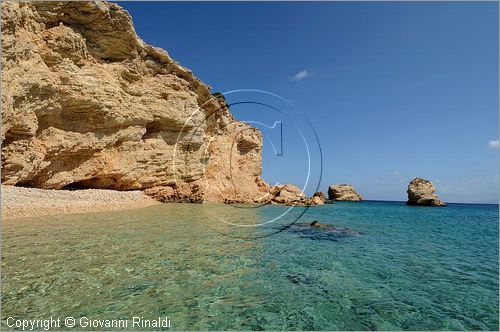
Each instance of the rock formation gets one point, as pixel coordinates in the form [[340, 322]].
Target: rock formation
[[422, 192], [87, 104], [318, 198], [288, 194], [317, 224], [291, 195], [343, 192]]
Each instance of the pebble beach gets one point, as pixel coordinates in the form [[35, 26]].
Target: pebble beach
[[20, 202]]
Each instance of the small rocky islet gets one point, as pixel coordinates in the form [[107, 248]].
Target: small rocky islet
[[343, 193], [423, 192]]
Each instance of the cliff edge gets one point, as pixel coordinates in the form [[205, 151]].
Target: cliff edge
[[87, 104]]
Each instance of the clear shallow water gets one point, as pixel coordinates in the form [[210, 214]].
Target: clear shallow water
[[411, 268]]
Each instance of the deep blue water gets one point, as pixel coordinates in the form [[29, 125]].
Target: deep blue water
[[386, 266]]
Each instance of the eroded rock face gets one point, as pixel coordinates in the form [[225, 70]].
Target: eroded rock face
[[287, 194], [87, 104], [343, 192], [422, 192], [291, 195], [318, 198]]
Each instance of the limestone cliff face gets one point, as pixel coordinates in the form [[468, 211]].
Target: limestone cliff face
[[86, 103]]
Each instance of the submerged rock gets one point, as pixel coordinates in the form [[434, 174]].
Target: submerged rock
[[318, 231], [343, 192], [317, 224], [422, 192], [299, 278]]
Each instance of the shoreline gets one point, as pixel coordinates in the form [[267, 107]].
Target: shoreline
[[21, 202]]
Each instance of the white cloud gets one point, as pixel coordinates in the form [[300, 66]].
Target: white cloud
[[396, 173], [301, 75], [493, 144]]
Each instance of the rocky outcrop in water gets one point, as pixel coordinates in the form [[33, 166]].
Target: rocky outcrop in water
[[318, 198], [422, 192], [87, 104], [291, 195], [343, 192], [288, 194]]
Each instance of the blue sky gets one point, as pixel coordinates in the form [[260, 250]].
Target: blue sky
[[393, 90]]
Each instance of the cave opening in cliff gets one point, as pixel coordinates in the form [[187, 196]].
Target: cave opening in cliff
[[105, 182], [78, 185], [152, 130], [26, 184]]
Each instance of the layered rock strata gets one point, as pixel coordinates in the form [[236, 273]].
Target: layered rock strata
[[87, 104]]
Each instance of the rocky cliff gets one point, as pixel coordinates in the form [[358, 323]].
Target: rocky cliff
[[343, 192], [422, 192], [87, 104]]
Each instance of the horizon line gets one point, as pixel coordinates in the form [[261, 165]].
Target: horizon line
[[394, 201]]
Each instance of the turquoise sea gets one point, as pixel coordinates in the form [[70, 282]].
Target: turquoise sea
[[394, 267]]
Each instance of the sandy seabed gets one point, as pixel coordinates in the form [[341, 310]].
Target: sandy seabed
[[20, 202]]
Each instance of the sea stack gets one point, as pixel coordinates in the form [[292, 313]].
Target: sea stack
[[343, 192], [422, 192]]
